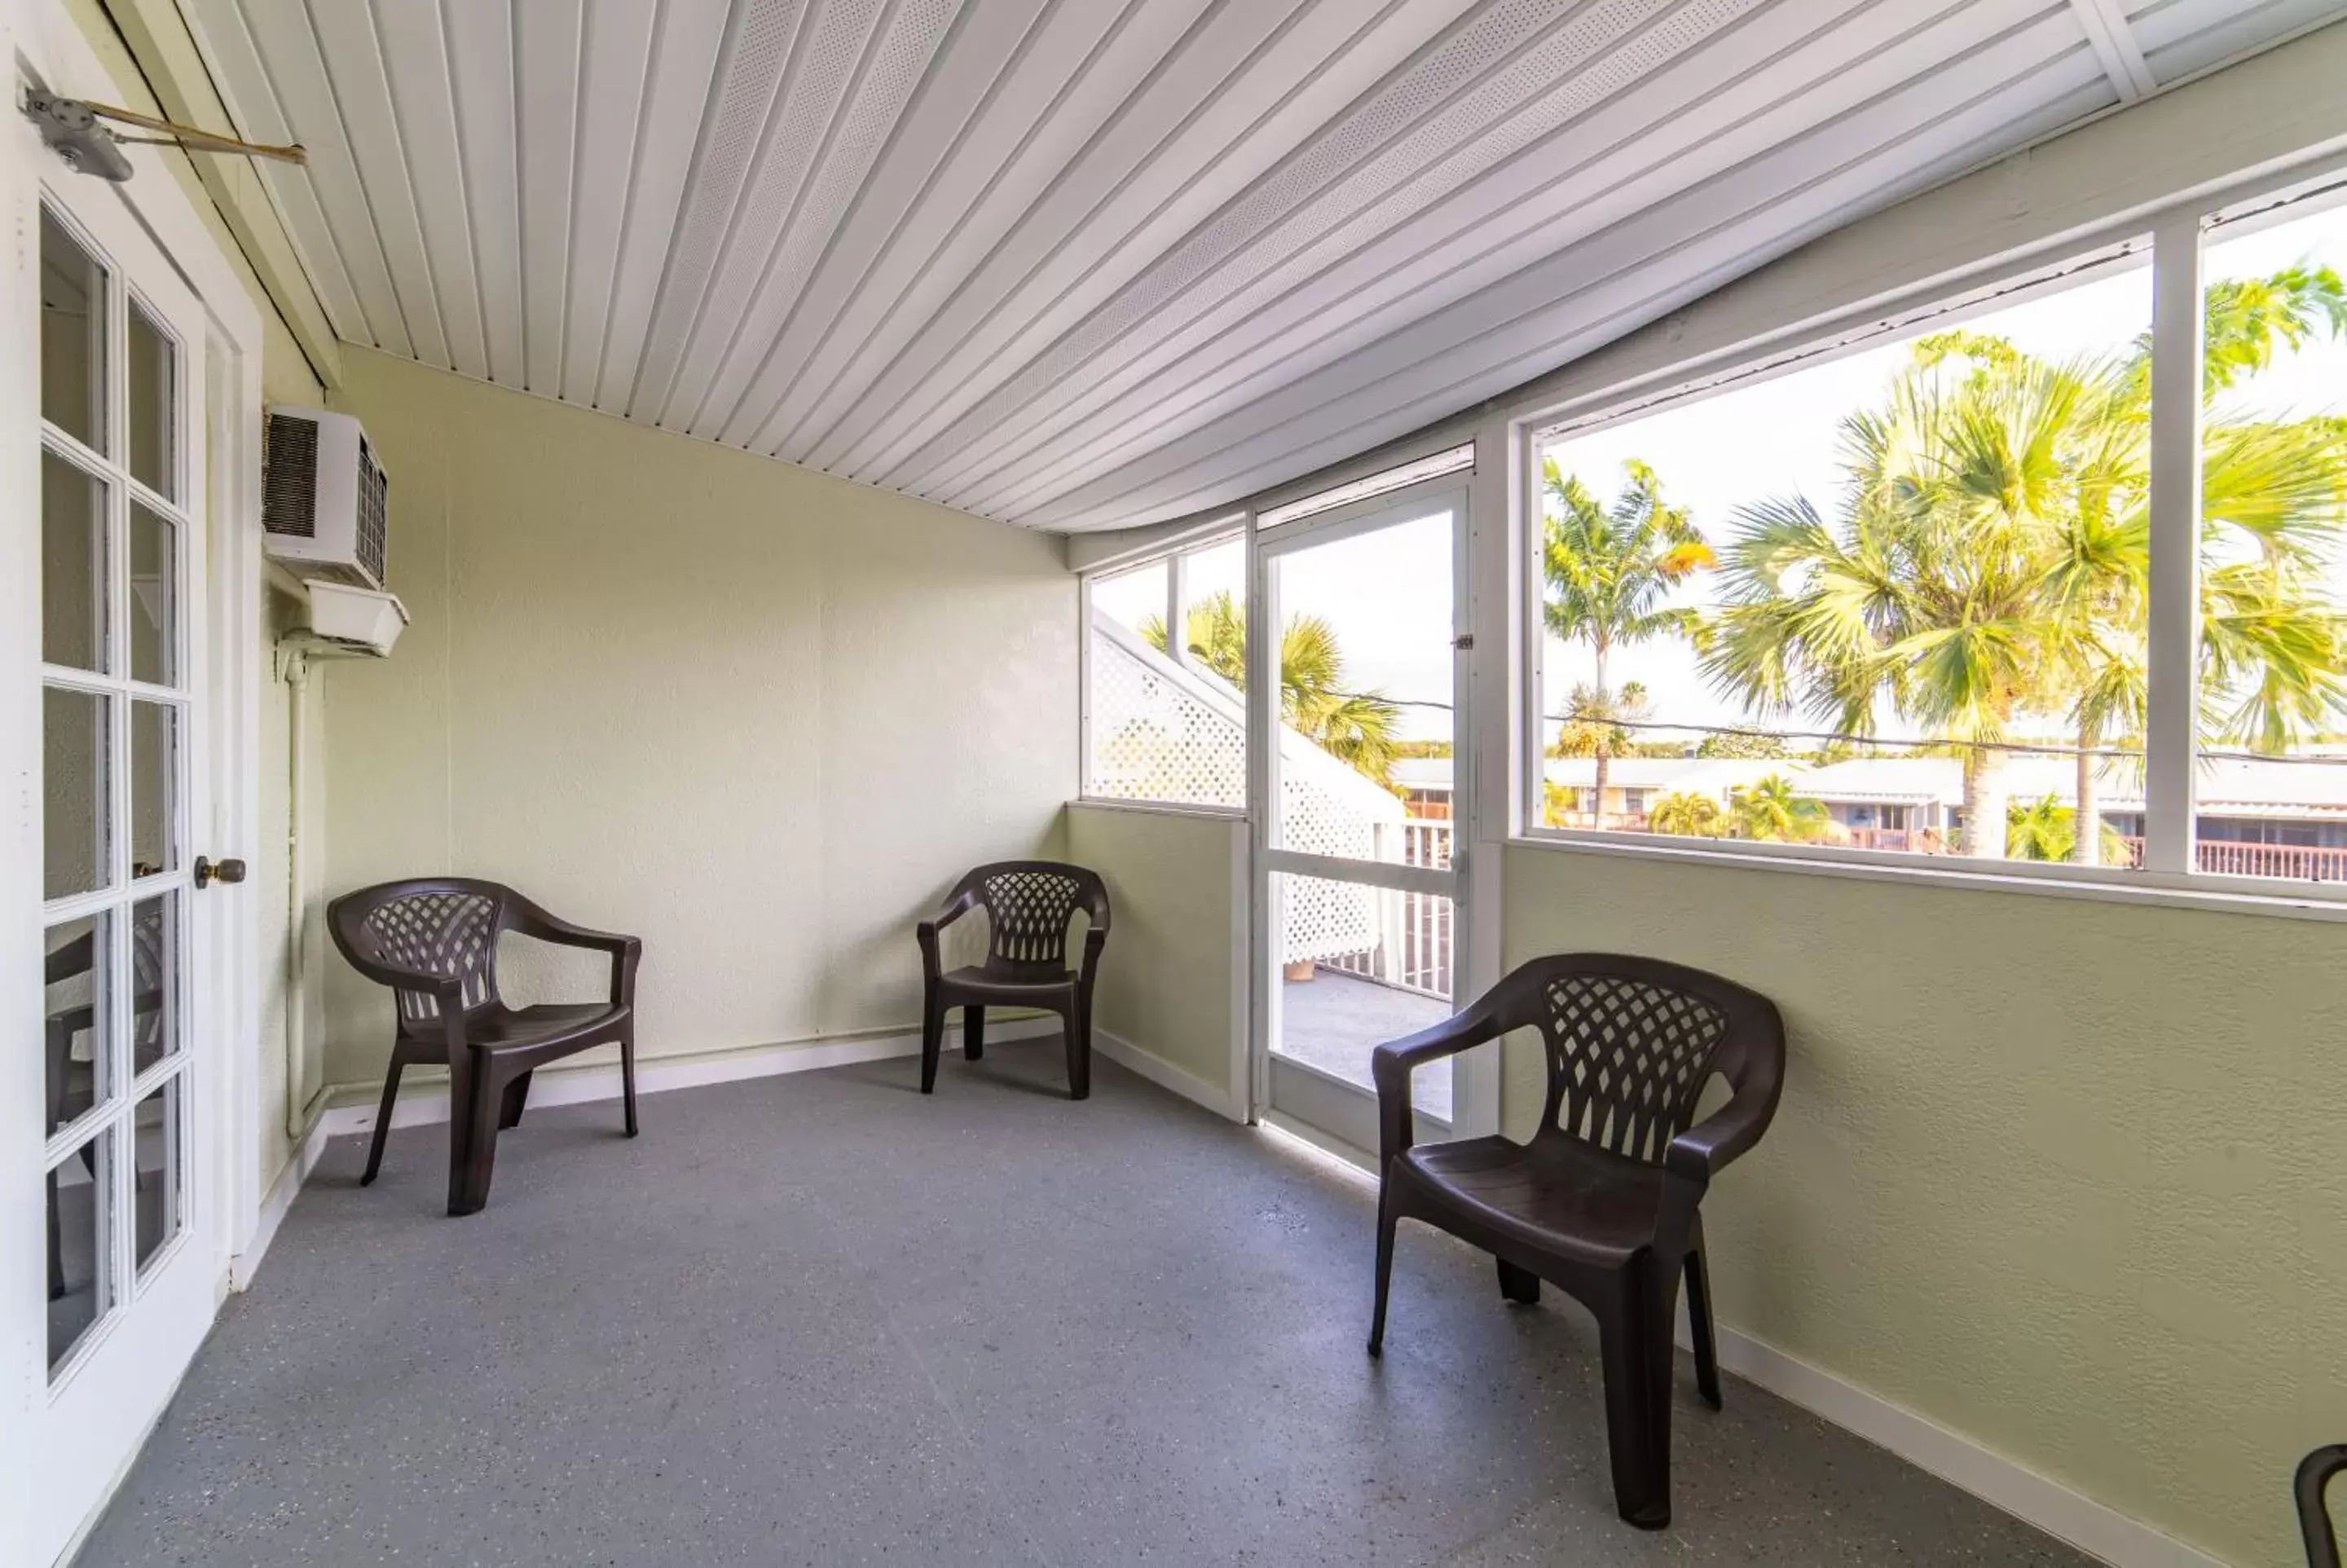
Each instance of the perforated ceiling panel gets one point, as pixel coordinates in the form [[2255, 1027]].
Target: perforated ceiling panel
[[1084, 263]]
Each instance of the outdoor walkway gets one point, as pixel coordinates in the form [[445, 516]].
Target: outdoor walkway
[[1334, 1020]]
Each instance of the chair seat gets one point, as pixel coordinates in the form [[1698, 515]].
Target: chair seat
[[998, 985], [520, 1029], [1557, 1195]]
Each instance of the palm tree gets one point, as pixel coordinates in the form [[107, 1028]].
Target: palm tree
[[1989, 556], [2046, 829], [1609, 570], [1771, 812], [1597, 723], [1357, 727], [1687, 816]]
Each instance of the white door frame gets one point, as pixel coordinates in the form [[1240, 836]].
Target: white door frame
[[1470, 1088], [50, 50]]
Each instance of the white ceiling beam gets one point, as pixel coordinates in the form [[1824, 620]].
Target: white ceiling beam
[[2114, 42]]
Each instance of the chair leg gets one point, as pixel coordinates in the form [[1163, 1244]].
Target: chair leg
[[1076, 1024], [383, 1118], [933, 1032], [1520, 1286], [1387, 1219], [1637, 1422], [473, 1157], [973, 1034], [509, 1103], [628, 1077], [1699, 1323]]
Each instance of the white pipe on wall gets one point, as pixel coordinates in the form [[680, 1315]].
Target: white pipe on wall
[[301, 1108]]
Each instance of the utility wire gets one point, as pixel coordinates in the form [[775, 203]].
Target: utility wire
[[2048, 749]]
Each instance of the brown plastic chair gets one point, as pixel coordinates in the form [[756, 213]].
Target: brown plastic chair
[[1603, 1202], [1030, 905], [435, 942], [2314, 1473]]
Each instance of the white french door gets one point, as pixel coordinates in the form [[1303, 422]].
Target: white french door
[[123, 1173], [1356, 620]]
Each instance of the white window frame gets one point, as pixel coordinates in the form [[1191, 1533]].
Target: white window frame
[[2177, 236]]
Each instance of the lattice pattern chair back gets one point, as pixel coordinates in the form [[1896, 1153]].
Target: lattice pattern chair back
[[1029, 908], [1629, 1056], [449, 932]]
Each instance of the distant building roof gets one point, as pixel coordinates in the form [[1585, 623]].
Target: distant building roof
[[2229, 787]]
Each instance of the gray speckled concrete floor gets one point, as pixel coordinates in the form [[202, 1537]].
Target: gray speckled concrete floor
[[822, 1320], [1335, 1020]]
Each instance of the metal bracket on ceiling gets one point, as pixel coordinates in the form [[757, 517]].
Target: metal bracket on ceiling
[[2114, 42], [71, 129]]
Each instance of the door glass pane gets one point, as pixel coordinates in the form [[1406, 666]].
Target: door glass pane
[[154, 979], [1366, 671], [154, 597], [74, 791], [80, 1287], [73, 335], [154, 788], [73, 565], [1360, 966], [154, 1170], [153, 372], [75, 963]]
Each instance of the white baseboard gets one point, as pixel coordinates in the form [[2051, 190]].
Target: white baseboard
[[428, 1103], [2090, 1526], [1165, 1075], [302, 1160], [559, 1085]]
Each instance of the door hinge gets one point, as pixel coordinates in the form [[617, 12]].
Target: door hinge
[[1464, 641]]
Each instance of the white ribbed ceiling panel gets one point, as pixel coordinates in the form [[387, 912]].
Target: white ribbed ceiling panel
[[1083, 263]]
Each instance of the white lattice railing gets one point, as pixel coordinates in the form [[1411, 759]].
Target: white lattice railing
[[1168, 731], [1413, 930]]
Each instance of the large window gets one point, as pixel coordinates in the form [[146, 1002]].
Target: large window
[[2270, 782], [1899, 599], [1166, 715]]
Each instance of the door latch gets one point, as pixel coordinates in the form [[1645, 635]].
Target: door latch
[[208, 871]]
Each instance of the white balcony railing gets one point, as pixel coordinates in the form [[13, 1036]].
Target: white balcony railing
[[1413, 944]]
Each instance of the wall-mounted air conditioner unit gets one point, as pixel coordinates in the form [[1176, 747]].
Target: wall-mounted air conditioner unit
[[324, 499]]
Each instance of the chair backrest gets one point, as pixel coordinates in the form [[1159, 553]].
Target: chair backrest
[[444, 926], [1631, 1042], [1030, 905]]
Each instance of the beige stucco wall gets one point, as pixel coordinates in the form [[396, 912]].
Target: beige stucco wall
[[1171, 981], [762, 718], [2063, 1176]]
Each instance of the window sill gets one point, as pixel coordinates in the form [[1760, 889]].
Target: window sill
[[2299, 901], [1158, 807]]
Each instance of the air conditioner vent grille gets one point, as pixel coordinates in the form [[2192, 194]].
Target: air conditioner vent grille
[[374, 500], [289, 495]]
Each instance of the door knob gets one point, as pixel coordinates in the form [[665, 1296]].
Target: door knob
[[208, 871]]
